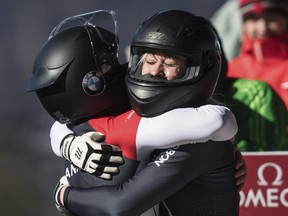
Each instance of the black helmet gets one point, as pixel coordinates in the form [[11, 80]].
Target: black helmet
[[77, 74], [178, 33]]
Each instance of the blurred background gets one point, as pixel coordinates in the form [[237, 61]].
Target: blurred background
[[29, 170]]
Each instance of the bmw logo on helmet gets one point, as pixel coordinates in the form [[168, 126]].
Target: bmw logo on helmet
[[93, 83]]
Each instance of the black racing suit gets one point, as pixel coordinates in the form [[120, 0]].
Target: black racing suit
[[192, 179]]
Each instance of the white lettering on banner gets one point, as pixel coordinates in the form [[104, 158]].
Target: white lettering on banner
[[268, 194], [166, 156], [252, 197], [278, 179], [70, 172], [272, 198], [284, 197]]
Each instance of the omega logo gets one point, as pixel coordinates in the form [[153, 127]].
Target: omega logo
[[271, 191], [278, 178]]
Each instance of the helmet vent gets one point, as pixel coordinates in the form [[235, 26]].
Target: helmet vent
[[187, 32]]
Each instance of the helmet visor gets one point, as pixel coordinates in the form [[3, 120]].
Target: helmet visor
[[162, 68], [101, 19]]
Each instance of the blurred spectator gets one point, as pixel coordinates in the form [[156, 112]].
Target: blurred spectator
[[228, 23], [265, 44], [260, 112]]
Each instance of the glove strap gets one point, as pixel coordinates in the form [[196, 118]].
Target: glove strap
[[66, 145]]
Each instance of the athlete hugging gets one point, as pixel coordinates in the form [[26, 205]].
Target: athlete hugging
[[138, 136], [172, 153]]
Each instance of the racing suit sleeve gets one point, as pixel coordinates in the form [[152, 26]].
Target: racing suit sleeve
[[187, 125], [178, 127], [162, 177], [57, 133]]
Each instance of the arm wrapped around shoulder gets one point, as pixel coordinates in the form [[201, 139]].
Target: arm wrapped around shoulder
[[90, 153], [227, 126]]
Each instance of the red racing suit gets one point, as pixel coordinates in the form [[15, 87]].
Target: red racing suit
[[192, 179]]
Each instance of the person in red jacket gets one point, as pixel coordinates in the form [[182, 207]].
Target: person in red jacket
[[265, 44]]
